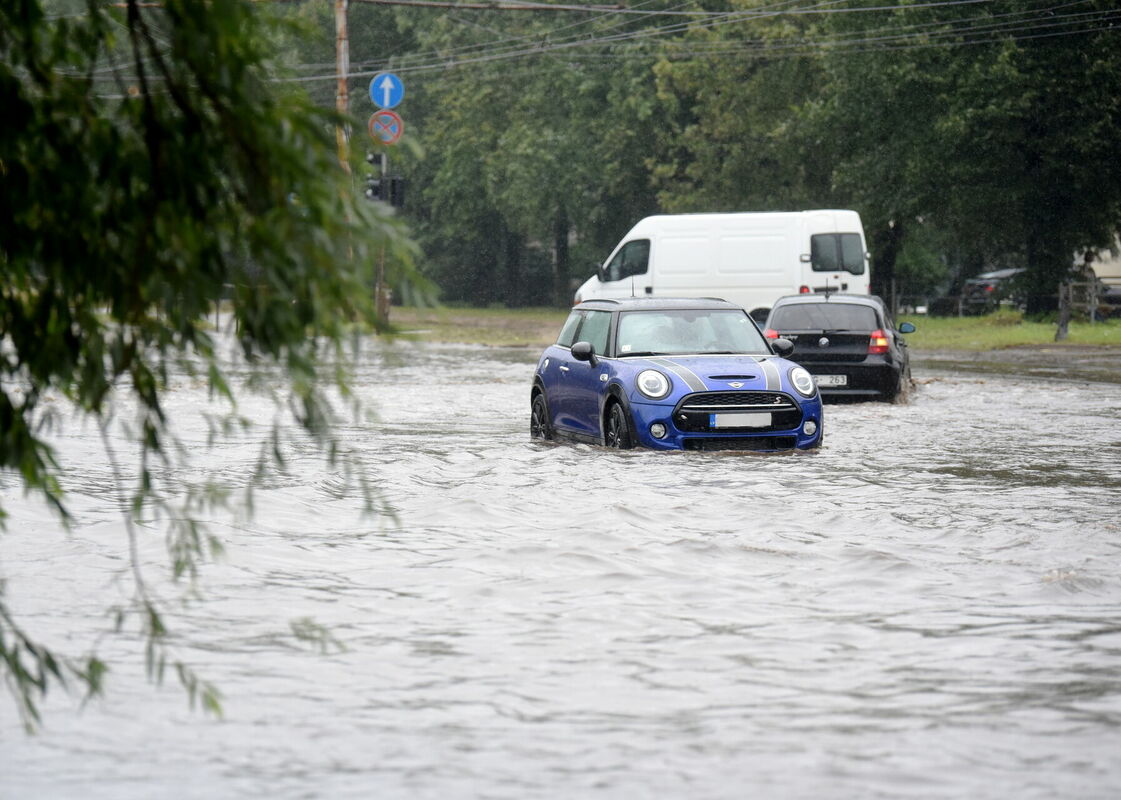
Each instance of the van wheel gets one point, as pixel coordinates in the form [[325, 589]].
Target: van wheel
[[539, 419], [617, 433]]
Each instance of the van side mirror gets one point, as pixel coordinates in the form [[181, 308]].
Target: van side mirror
[[906, 327], [782, 347], [583, 351], [601, 273]]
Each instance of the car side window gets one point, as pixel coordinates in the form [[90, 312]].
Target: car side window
[[595, 329], [568, 332], [632, 259]]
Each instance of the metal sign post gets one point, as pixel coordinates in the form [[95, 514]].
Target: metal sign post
[[385, 126]]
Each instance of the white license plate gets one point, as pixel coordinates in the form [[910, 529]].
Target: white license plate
[[832, 380], [742, 419]]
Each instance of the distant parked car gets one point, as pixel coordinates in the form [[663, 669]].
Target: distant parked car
[[672, 374], [848, 342], [1109, 299], [989, 290]]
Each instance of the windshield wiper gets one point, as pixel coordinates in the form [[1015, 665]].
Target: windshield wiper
[[642, 353]]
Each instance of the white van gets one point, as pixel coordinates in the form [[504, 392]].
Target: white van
[[750, 259]]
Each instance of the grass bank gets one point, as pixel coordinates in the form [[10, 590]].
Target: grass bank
[[1005, 329], [497, 327], [537, 327]]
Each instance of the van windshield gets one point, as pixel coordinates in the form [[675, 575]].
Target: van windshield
[[833, 252], [678, 332]]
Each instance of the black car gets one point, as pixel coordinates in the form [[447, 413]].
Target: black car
[[989, 290], [849, 343]]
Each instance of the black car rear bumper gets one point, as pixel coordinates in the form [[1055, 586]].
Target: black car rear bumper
[[875, 376]]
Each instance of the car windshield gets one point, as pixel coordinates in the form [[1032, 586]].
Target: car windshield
[[824, 317], [676, 332]]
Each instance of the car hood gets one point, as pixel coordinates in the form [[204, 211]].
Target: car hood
[[720, 373]]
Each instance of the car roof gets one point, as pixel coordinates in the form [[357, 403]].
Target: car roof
[[832, 297], [999, 274], [658, 304]]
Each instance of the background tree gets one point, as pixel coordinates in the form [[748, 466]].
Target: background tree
[[987, 127], [732, 90], [533, 164], [150, 168], [995, 123]]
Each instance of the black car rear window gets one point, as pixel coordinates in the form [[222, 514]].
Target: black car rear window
[[824, 317]]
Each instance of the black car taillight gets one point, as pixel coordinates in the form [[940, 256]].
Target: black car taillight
[[877, 343]]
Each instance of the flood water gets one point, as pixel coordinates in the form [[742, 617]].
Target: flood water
[[930, 606]]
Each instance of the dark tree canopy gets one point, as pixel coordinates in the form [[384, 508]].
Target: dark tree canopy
[[980, 134]]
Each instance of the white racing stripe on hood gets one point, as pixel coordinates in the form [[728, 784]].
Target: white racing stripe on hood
[[692, 380], [770, 371]]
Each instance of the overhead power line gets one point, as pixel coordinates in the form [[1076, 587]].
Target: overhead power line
[[611, 42], [496, 6], [1026, 25]]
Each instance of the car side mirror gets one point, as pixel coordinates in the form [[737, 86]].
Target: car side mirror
[[782, 347], [583, 351], [906, 327]]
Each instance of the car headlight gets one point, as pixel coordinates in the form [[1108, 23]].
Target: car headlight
[[653, 384], [803, 381]]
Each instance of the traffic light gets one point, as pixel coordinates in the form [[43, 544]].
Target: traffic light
[[397, 192], [379, 186], [373, 186]]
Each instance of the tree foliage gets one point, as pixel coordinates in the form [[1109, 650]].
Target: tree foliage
[[151, 168], [1004, 140], [987, 127]]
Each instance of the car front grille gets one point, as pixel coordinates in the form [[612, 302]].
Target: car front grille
[[754, 443], [739, 400], [694, 414]]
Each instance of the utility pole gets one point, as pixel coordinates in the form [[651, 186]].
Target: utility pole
[[381, 292], [342, 69]]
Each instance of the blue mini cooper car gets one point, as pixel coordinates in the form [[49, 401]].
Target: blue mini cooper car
[[672, 374]]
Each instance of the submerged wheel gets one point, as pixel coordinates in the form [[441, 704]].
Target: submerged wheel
[[539, 419], [902, 387], [617, 433]]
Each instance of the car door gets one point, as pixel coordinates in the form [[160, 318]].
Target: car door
[[553, 378], [580, 383]]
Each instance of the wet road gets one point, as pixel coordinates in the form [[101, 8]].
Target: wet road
[[930, 606]]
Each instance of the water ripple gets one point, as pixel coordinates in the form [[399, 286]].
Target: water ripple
[[929, 606]]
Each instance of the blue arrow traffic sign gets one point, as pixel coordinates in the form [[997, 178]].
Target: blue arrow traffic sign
[[386, 90]]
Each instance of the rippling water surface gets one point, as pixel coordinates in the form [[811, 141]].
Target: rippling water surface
[[930, 606]]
